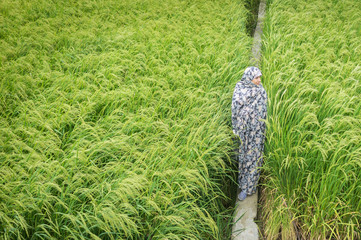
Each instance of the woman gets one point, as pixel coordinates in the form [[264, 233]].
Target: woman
[[249, 110]]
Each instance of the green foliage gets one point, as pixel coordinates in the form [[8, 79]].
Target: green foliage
[[252, 17], [115, 120], [311, 57]]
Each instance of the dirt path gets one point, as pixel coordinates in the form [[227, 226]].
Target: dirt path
[[246, 211]]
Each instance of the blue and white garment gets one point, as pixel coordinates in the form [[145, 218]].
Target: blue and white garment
[[249, 110]]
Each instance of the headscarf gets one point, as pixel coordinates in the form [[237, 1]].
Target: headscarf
[[249, 102], [249, 74]]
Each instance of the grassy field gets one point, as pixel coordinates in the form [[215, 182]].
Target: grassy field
[[115, 117], [311, 66]]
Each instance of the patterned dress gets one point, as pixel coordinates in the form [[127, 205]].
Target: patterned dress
[[249, 110]]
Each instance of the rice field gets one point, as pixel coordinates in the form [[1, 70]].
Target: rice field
[[115, 117], [312, 171]]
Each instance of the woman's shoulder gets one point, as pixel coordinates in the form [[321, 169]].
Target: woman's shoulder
[[263, 92], [262, 87]]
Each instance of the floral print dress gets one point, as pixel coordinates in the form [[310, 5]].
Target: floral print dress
[[249, 110]]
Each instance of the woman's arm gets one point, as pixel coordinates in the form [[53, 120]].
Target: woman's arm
[[239, 116]]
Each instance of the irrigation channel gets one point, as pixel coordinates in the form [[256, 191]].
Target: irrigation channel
[[244, 226]]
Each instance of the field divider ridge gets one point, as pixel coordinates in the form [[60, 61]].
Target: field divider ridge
[[244, 226]]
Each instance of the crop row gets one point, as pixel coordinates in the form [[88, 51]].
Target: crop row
[[311, 64], [115, 118]]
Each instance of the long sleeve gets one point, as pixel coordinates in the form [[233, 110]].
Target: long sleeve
[[239, 117]]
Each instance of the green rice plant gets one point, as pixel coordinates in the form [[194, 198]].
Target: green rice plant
[[115, 118], [311, 56]]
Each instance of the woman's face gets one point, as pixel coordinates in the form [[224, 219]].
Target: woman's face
[[257, 80]]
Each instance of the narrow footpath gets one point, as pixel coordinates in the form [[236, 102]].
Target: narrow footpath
[[244, 227]]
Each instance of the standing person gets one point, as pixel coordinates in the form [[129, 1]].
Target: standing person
[[249, 110]]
